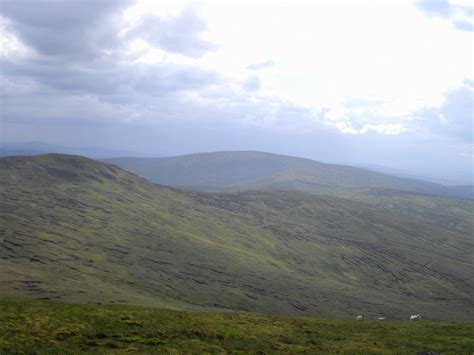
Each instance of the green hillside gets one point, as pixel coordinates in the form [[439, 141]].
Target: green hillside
[[221, 171], [451, 212], [34, 327], [78, 230]]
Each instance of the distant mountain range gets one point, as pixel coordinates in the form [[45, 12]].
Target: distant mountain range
[[411, 175], [79, 230], [148, 167], [239, 171]]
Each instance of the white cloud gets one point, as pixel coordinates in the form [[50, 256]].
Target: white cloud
[[10, 44], [331, 52]]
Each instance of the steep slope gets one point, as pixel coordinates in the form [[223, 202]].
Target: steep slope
[[256, 170], [79, 230]]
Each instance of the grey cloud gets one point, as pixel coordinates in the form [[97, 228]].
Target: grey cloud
[[87, 30], [454, 118], [162, 79], [97, 79], [145, 93], [60, 14], [440, 8], [81, 51], [74, 81], [76, 30], [51, 109], [460, 15], [464, 25], [354, 103], [237, 112], [262, 65], [458, 113], [181, 34], [252, 83], [62, 77], [469, 83]]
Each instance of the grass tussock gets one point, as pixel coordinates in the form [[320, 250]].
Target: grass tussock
[[50, 327]]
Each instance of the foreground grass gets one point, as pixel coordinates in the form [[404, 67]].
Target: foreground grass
[[39, 326]]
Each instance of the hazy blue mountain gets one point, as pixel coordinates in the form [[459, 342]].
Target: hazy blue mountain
[[411, 175], [256, 170]]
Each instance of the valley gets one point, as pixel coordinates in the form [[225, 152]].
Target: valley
[[78, 230]]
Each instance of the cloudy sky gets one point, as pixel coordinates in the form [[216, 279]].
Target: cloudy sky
[[377, 82]]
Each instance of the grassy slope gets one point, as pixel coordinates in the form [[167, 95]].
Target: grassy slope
[[257, 170], [46, 327], [79, 230], [453, 213]]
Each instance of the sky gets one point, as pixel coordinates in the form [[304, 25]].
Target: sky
[[389, 83]]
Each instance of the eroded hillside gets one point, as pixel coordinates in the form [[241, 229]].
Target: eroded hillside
[[79, 230]]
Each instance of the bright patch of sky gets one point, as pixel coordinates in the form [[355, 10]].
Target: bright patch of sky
[[371, 63]]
